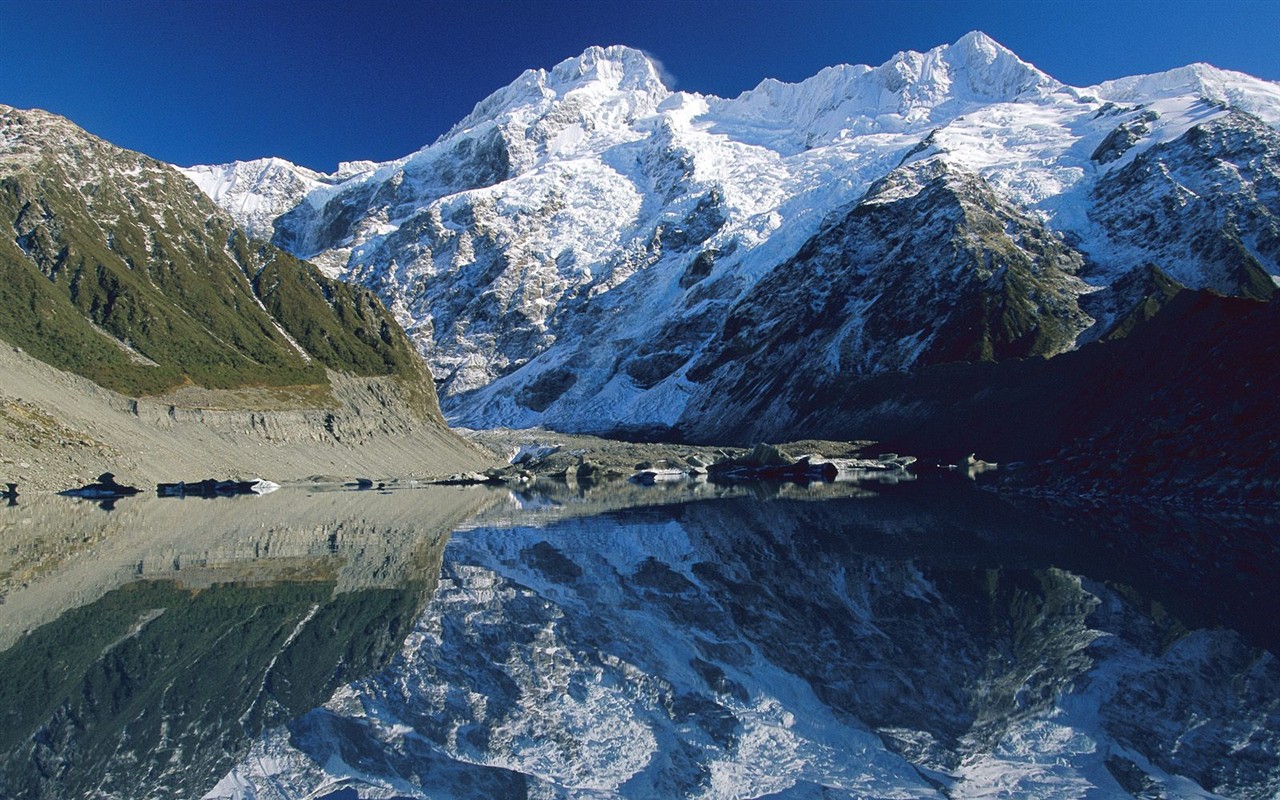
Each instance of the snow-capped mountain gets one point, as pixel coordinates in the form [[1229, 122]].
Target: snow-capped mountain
[[258, 191], [589, 250]]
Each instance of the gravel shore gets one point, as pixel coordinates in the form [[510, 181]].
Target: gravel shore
[[59, 431], [549, 453]]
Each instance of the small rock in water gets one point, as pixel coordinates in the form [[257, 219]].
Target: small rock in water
[[463, 479]]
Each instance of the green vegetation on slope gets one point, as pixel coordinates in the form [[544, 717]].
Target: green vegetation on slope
[[342, 326], [116, 267]]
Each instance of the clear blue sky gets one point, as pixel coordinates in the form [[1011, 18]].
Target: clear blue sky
[[321, 81]]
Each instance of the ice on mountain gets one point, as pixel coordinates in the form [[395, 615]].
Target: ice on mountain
[[548, 227]]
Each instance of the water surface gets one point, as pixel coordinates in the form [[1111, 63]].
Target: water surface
[[920, 640]]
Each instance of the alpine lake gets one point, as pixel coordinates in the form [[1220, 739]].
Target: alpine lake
[[917, 639]]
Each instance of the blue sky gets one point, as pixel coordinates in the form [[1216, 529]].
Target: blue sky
[[321, 81]]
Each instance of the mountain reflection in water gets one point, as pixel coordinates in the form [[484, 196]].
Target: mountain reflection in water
[[925, 641]]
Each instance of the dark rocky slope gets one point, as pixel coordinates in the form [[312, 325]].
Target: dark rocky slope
[[1182, 408], [929, 268]]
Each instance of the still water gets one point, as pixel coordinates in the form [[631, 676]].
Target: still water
[[924, 640]]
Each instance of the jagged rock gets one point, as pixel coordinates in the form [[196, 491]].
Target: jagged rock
[[1125, 136], [659, 475], [972, 466], [697, 464], [768, 462], [530, 454], [767, 455], [1203, 207], [464, 479], [588, 470]]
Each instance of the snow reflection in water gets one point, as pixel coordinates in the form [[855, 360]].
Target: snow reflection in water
[[920, 640], [918, 644]]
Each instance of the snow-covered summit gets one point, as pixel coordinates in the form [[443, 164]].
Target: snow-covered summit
[[608, 97], [615, 75], [568, 252], [908, 91], [974, 67], [1219, 86]]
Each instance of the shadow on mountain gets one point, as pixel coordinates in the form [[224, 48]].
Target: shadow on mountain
[[1180, 409]]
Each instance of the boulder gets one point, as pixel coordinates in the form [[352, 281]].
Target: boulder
[[767, 455], [104, 488]]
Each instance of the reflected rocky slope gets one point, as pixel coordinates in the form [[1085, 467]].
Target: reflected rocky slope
[[886, 647]]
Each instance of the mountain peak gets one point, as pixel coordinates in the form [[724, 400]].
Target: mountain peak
[[618, 66], [614, 71], [977, 42], [31, 135], [992, 70], [256, 191], [974, 67]]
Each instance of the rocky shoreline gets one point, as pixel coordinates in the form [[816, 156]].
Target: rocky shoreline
[[533, 454], [58, 431]]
